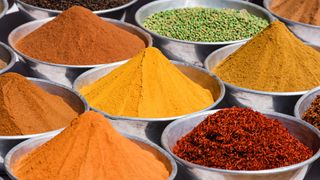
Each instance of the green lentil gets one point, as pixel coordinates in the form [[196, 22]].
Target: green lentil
[[205, 24]]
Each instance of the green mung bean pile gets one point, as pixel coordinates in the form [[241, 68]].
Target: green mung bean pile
[[205, 24]]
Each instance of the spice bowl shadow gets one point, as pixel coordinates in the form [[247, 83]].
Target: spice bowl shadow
[[69, 96], [35, 13], [27, 146], [193, 52], [60, 73], [3, 7], [304, 132], [306, 32], [7, 58], [151, 128], [282, 102], [305, 101]]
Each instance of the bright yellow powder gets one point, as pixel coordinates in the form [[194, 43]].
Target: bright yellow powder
[[148, 86]]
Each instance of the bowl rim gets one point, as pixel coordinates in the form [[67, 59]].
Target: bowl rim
[[4, 8], [131, 2], [48, 137], [313, 158], [252, 91], [216, 102], [13, 58], [266, 4], [155, 3], [46, 20], [27, 136], [302, 98]]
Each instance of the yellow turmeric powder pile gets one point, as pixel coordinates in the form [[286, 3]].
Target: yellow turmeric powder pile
[[148, 86], [275, 60], [90, 148]]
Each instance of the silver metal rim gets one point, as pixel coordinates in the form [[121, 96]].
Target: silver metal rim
[[95, 12], [5, 8], [13, 58], [114, 21], [155, 3], [222, 94], [267, 171], [301, 99], [158, 148], [266, 5], [231, 86], [85, 104]]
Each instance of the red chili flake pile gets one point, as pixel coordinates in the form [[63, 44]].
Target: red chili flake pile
[[312, 115], [241, 139]]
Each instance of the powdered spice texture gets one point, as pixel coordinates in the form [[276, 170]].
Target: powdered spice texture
[[148, 85], [274, 61], [305, 11], [241, 139], [90, 149], [27, 109], [79, 37]]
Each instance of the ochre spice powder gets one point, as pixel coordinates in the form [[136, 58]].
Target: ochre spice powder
[[241, 139], [79, 37], [27, 109], [90, 148]]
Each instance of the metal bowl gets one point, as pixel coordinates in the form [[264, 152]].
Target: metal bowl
[[60, 73], [193, 52], [282, 102], [301, 130], [305, 101], [3, 7], [34, 13], [8, 56], [151, 128], [25, 147], [306, 32], [71, 97]]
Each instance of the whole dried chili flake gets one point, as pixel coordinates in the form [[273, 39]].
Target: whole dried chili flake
[[241, 139], [312, 115]]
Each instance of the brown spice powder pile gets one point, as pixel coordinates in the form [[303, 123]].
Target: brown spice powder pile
[[241, 139], [27, 109], [305, 11], [79, 37], [90, 149], [3, 64], [312, 115]]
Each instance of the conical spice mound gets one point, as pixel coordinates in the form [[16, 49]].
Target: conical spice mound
[[90, 149], [274, 60], [149, 86]]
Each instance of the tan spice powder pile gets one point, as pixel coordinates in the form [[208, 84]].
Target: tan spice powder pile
[[79, 37], [274, 60], [305, 11], [90, 149], [27, 109]]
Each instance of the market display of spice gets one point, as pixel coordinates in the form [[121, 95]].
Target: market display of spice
[[148, 86], [90, 147], [277, 58], [28, 109], [298, 10], [65, 4], [90, 95], [205, 24], [241, 139]]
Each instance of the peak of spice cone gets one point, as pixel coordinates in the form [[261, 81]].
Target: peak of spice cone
[[241, 139], [298, 10], [79, 37], [274, 60], [27, 109], [148, 85], [90, 149]]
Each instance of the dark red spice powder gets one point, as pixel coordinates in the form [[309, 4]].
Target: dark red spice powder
[[241, 139]]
